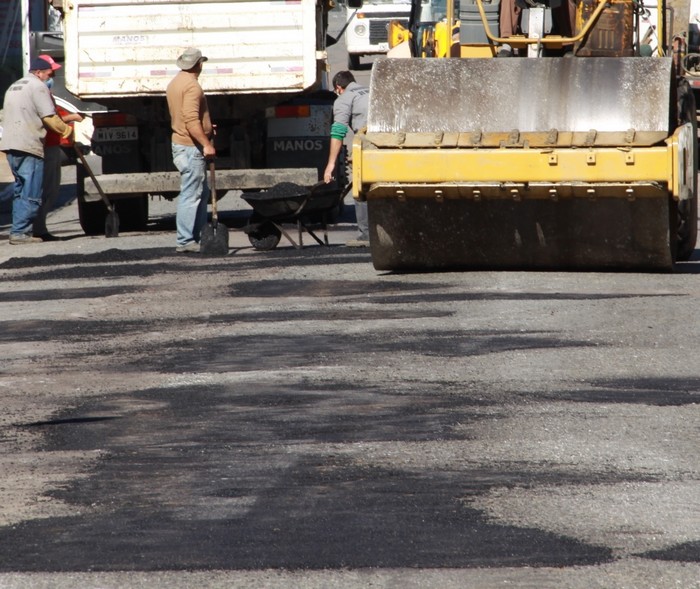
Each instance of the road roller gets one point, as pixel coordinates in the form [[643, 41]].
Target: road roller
[[548, 146]]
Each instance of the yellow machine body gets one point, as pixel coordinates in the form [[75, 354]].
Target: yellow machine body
[[553, 162]]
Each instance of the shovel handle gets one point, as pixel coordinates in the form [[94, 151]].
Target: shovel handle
[[110, 206], [212, 187]]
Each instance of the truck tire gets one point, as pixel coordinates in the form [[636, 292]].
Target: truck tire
[[92, 216], [353, 61], [133, 213], [336, 214]]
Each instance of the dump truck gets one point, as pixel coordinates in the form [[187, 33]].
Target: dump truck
[[578, 152], [265, 81]]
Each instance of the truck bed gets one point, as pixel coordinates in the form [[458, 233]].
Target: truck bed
[[128, 184]]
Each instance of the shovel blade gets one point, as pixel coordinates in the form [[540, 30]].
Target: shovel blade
[[214, 240], [112, 224]]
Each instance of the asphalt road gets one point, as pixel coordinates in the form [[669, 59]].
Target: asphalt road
[[295, 418]]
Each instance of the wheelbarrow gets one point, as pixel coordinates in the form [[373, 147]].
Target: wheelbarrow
[[286, 203]]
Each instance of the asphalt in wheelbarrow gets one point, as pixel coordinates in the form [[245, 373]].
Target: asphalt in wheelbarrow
[[286, 200]]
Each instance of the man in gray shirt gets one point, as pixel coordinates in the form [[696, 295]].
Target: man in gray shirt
[[349, 112], [28, 111]]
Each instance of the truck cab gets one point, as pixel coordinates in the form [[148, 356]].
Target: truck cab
[[367, 23]]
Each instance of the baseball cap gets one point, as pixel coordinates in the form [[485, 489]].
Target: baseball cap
[[39, 64], [54, 65], [190, 58]]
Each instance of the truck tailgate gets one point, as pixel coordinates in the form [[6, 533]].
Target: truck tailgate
[[129, 47]]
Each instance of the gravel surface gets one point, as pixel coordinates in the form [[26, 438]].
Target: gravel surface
[[295, 418]]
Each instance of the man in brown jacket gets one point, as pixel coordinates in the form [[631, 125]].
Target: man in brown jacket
[[192, 146]]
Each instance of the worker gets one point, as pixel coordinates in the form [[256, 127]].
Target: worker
[[564, 15], [29, 111], [51, 184], [192, 145], [508, 23], [349, 112]]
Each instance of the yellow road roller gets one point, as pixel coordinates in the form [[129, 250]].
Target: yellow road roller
[[577, 151]]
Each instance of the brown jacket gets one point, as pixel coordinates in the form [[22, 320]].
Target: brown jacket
[[188, 106]]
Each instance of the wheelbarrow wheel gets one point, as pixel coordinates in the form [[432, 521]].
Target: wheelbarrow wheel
[[265, 236]]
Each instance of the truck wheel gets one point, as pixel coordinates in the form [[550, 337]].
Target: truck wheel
[[353, 61], [133, 213], [335, 214], [266, 236], [92, 216]]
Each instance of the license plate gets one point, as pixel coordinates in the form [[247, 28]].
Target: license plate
[[116, 134]]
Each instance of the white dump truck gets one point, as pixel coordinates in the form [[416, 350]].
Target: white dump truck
[[265, 79]]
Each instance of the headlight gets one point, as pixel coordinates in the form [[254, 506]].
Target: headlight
[[360, 30]]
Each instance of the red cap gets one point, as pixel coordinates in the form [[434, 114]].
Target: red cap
[[54, 65]]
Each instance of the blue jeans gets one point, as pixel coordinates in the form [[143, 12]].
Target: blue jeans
[[28, 171], [51, 186], [191, 214]]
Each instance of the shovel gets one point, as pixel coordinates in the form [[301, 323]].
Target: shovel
[[112, 219], [214, 238]]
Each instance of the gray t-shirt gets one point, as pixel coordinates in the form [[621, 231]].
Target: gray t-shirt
[[27, 101], [350, 108]]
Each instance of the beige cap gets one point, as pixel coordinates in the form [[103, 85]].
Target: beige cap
[[190, 58]]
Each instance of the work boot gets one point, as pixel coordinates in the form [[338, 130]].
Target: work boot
[[189, 248], [19, 239], [505, 51], [360, 241]]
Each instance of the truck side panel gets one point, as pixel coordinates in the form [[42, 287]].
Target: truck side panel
[[129, 47]]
